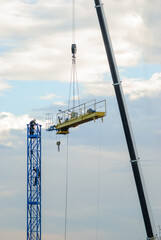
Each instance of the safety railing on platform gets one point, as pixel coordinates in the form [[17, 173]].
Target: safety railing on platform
[[80, 110], [49, 121], [75, 112]]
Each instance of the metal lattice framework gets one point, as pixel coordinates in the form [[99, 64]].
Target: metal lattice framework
[[33, 181]]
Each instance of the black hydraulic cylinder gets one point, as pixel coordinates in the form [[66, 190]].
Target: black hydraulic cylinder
[[148, 221]]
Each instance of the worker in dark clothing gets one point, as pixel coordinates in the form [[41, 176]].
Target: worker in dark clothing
[[37, 176], [32, 126]]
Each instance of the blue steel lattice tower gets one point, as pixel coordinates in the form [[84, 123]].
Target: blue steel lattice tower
[[33, 181]]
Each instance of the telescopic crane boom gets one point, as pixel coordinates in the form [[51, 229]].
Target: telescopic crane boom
[[134, 159]]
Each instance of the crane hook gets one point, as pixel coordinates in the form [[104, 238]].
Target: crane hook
[[58, 144]]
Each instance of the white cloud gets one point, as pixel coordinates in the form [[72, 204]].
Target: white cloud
[[134, 88], [30, 1], [48, 97], [138, 88], [59, 103], [9, 121], [41, 53], [138, 25], [4, 86], [99, 89]]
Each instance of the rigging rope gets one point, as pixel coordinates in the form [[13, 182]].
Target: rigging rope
[[74, 79], [66, 195], [99, 180], [70, 86], [77, 86], [74, 62], [73, 20]]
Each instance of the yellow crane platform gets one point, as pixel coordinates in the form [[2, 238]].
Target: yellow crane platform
[[75, 116]]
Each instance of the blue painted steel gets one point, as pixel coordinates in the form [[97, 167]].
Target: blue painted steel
[[33, 182]]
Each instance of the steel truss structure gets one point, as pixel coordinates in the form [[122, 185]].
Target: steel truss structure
[[33, 181]]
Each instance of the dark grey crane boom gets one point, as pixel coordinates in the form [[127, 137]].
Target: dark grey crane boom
[[134, 159]]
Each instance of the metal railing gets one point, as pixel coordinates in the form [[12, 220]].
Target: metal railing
[[82, 109], [49, 121]]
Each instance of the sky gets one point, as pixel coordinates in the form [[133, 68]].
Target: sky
[[35, 68]]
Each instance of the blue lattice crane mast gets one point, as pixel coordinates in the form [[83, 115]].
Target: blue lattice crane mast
[[33, 181]]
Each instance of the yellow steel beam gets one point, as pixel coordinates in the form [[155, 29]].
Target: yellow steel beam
[[74, 122]]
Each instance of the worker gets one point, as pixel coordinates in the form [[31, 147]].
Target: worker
[[32, 126], [37, 175], [59, 119], [90, 110]]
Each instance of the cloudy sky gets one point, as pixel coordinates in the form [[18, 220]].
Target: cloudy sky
[[35, 66]]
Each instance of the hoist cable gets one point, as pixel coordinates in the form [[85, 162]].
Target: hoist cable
[[66, 195], [70, 87], [77, 86], [99, 181], [73, 85], [74, 79], [73, 21]]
